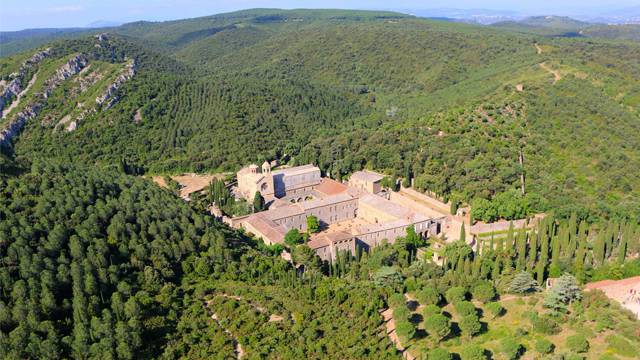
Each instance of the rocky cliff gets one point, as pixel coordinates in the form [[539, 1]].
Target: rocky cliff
[[13, 127], [15, 84], [110, 96]]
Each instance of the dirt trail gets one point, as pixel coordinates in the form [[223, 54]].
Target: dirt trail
[[239, 351], [16, 102], [556, 74], [538, 48]]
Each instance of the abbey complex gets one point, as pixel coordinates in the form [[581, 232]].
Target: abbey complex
[[358, 213]]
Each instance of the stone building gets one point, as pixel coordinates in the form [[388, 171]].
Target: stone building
[[366, 180], [295, 182], [349, 216]]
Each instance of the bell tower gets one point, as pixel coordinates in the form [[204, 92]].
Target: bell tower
[[266, 168]]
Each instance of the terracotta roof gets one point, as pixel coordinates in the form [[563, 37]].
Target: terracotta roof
[[366, 175], [282, 212], [274, 232], [330, 187], [325, 239]]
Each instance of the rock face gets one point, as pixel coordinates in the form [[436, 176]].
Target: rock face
[[110, 96], [16, 82], [72, 67]]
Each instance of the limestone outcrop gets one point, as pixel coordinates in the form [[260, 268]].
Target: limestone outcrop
[[15, 84], [110, 96], [70, 68], [13, 127]]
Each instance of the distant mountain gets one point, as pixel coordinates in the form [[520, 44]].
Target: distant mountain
[[12, 42], [568, 27], [103, 24], [477, 16]]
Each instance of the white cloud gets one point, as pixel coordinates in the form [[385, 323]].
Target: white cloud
[[65, 9]]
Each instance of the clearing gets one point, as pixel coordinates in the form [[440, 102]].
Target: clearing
[[189, 183]]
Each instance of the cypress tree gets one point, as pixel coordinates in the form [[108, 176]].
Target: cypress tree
[[509, 244], [599, 248], [544, 255], [522, 248], [624, 241]]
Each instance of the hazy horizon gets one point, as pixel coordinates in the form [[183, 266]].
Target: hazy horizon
[[64, 14]]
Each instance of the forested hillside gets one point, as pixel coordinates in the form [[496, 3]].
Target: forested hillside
[[455, 107], [98, 264]]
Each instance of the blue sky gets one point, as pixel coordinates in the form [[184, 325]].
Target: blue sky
[[21, 14]]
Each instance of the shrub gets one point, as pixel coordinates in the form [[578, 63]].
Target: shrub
[[464, 308], [431, 310], [608, 357], [439, 354], [573, 356], [428, 296], [545, 325], [397, 300], [495, 308], [438, 326], [484, 292], [511, 348], [621, 346], [455, 294], [544, 346], [473, 352], [578, 343], [470, 325], [405, 331]]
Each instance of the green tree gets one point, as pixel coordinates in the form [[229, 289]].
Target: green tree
[[495, 308], [473, 352], [293, 237], [388, 276], [428, 296], [313, 225], [455, 294], [511, 348], [564, 291], [439, 354], [438, 326], [544, 346], [522, 283], [484, 292], [258, 202], [578, 343], [470, 325], [405, 331]]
